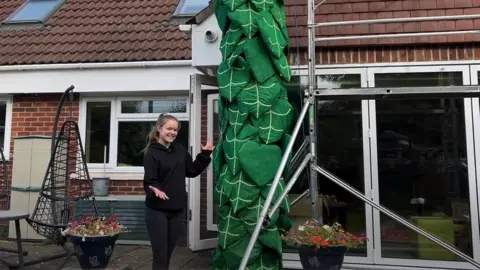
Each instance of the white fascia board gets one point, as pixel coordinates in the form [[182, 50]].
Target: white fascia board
[[97, 77]]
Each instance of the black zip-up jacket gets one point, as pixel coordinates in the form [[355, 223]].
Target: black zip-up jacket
[[166, 169]]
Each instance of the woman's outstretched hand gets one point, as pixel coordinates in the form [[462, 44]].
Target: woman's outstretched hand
[[208, 146], [160, 194]]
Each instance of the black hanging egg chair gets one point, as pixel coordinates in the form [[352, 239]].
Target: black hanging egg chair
[[66, 183]]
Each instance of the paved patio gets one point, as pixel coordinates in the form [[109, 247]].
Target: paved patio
[[130, 257]]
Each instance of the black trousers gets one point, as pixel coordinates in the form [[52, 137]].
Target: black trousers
[[163, 228]]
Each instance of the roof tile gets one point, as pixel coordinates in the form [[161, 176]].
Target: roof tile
[[96, 31]]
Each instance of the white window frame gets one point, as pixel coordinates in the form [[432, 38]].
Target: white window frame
[[112, 170], [181, 4], [212, 98], [8, 126]]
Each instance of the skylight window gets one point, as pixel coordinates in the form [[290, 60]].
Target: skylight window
[[34, 11], [190, 7]]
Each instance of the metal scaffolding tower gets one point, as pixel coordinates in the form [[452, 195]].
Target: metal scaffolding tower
[[313, 94]]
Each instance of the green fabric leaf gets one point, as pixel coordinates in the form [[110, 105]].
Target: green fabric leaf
[[285, 205], [219, 194], [271, 238], [236, 118], [232, 145], [223, 115], [218, 159], [231, 80], [284, 224], [258, 98], [258, 59], [233, 4], [275, 122], [251, 214], [233, 58], [271, 34], [234, 253], [231, 229], [268, 260], [283, 68], [241, 191], [221, 12], [260, 161], [278, 13], [230, 41], [218, 262], [261, 5], [245, 16]]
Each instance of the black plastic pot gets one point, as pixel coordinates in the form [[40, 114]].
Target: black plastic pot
[[322, 258], [93, 252]]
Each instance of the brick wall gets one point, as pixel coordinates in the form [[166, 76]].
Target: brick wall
[[348, 10], [388, 53], [34, 114]]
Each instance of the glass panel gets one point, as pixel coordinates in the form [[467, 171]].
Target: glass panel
[[340, 150], [132, 138], [192, 6], [418, 79], [97, 131], [423, 171], [155, 106], [338, 81], [34, 10]]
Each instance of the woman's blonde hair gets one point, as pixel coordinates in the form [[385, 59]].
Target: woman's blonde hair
[[153, 135]]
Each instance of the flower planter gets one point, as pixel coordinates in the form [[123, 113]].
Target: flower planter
[[321, 258], [93, 252]]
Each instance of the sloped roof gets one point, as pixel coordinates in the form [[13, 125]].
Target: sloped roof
[[95, 31]]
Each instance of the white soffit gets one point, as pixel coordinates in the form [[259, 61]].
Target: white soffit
[[97, 77]]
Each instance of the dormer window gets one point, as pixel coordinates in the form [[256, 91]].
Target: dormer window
[[34, 11], [189, 8]]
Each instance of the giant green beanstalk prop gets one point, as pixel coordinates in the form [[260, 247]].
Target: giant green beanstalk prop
[[255, 120]]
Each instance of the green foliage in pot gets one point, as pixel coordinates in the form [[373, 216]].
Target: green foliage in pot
[[317, 235], [93, 226]]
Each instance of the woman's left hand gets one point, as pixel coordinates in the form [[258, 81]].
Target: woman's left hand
[[209, 146]]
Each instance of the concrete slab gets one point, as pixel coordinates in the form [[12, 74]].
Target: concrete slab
[[125, 257]]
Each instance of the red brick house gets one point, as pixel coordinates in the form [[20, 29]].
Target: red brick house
[[417, 157], [128, 61]]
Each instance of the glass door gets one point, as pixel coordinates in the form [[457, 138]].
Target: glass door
[[421, 170], [343, 149], [202, 233]]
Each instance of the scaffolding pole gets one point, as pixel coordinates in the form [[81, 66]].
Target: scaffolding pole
[[313, 94]]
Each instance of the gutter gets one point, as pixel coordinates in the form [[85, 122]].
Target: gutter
[[104, 65]]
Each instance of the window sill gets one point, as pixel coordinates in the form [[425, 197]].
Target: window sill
[[117, 175], [116, 198]]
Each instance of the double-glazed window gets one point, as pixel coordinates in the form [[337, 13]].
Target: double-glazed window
[[116, 129]]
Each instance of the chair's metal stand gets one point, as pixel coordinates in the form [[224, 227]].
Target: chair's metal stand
[[356, 94]]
